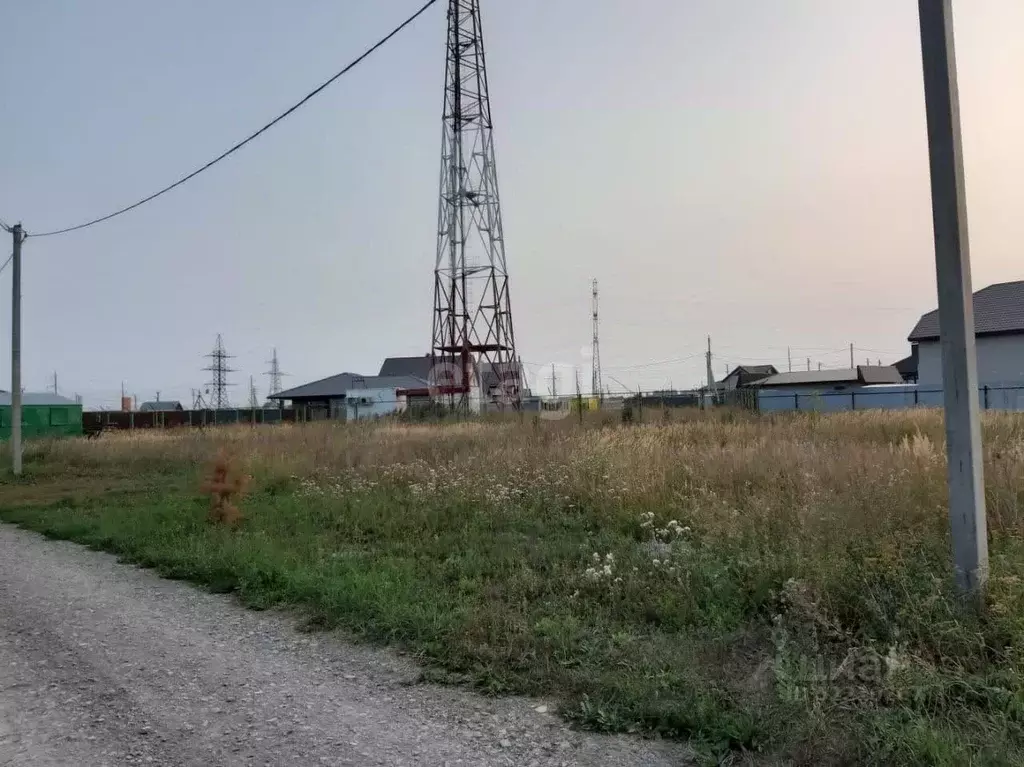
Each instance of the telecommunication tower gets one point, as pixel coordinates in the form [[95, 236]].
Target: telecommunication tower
[[595, 351], [472, 318], [219, 370]]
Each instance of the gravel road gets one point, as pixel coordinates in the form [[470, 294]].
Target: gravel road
[[106, 664]]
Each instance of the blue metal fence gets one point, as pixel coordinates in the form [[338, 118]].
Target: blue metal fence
[[882, 397]]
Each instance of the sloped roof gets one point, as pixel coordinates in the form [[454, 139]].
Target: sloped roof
[[879, 374], [805, 377], [748, 374], [406, 366], [908, 365], [336, 386], [159, 406], [864, 374], [37, 398], [997, 309]]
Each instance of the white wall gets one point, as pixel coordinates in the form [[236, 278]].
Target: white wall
[[1000, 362]]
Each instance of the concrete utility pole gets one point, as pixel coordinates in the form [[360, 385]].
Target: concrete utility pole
[[789, 358], [19, 236], [851, 357], [956, 304], [711, 375]]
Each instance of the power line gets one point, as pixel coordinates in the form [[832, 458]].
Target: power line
[[249, 138], [6, 263]]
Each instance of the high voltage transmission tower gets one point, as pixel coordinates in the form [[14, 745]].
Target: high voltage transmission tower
[[275, 375], [472, 318], [219, 370], [595, 351]]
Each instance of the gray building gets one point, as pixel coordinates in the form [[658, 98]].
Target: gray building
[[999, 337], [329, 397]]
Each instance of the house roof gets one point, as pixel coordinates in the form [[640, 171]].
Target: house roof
[[336, 386], [160, 406], [863, 374], [998, 309], [746, 374], [908, 365], [756, 369], [879, 374], [37, 398], [406, 366], [420, 368]]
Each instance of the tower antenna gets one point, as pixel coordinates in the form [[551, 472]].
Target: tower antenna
[[472, 318]]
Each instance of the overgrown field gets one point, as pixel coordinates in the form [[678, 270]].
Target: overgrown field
[[774, 589]]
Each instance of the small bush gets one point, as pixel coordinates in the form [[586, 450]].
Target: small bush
[[224, 486]]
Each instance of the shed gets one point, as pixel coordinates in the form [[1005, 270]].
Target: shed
[[42, 415]]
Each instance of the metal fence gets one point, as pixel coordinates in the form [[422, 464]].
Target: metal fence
[[99, 420], [892, 397]]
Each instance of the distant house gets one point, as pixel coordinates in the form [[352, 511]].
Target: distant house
[[832, 380], [746, 375], [490, 378], [329, 397], [161, 406], [999, 338]]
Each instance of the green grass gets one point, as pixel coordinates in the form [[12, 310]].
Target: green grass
[[790, 620]]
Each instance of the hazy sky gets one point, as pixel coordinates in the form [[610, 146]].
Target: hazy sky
[[755, 170]]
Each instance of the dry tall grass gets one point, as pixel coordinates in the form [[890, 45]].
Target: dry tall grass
[[799, 475]]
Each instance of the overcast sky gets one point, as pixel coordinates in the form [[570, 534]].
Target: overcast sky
[[755, 170]]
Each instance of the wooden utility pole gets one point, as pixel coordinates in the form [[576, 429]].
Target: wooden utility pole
[[956, 304], [789, 358]]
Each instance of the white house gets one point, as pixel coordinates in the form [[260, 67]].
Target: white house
[[999, 336]]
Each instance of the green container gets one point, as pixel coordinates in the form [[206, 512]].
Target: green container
[[42, 415]]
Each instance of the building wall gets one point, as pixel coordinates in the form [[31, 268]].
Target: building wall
[[1000, 361], [372, 403]]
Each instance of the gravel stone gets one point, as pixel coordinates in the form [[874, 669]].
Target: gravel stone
[[106, 664]]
